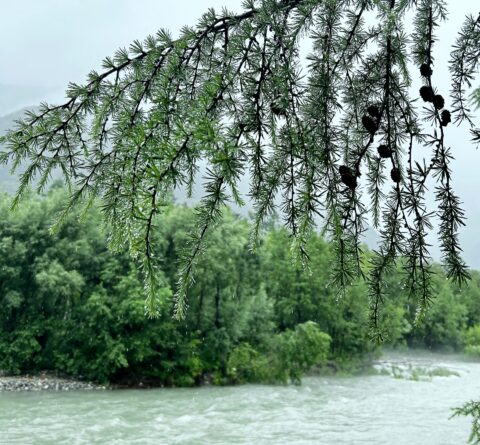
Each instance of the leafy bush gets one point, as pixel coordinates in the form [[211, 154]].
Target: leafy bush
[[296, 351], [248, 365], [288, 356]]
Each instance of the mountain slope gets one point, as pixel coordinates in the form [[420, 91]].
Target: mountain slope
[[13, 97]]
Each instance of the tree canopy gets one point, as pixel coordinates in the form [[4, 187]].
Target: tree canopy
[[337, 137]]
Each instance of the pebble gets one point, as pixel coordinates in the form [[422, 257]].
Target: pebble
[[45, 383]]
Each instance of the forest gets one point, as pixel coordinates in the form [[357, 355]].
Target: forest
[[73, 307]]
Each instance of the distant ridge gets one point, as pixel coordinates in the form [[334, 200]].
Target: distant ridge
[[14, 97], [469, 236], [8, 121], [8, 183]]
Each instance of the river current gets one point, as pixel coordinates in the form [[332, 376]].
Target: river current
[[411, 405]]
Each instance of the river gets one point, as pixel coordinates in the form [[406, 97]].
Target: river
[[411, 408]]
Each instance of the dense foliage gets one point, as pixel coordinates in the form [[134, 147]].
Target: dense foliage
[[70, 305]]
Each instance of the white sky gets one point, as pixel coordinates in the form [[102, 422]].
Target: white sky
[[52, 42], [48, 43]]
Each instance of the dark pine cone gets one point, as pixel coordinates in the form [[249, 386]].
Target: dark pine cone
[[369, 124], [373, 111], [347, 176], [247, 128], [396, 175], [446, 117], [384, 151], [277, 109], [427, 93], [438, 101], [426, 70]]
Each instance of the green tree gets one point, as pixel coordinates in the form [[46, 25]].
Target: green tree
[[300, 296]]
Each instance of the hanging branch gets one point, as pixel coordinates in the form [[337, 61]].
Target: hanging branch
[[334, 139]]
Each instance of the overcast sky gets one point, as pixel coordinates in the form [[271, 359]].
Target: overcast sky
[[51, 42], [47, 43]]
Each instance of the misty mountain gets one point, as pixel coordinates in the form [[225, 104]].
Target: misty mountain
[[14, 100], [7, 121], [463, 165], [13, 97], [8, 182]]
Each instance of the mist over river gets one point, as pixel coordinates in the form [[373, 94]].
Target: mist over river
[[412, 407]]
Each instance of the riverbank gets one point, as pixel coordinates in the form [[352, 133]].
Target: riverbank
[[49, 382], [45, 382], [409, 365]]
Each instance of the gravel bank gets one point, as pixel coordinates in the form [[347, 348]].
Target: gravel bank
[[45, 383]]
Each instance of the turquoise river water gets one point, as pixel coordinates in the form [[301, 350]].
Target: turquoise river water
[[411, 408]]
